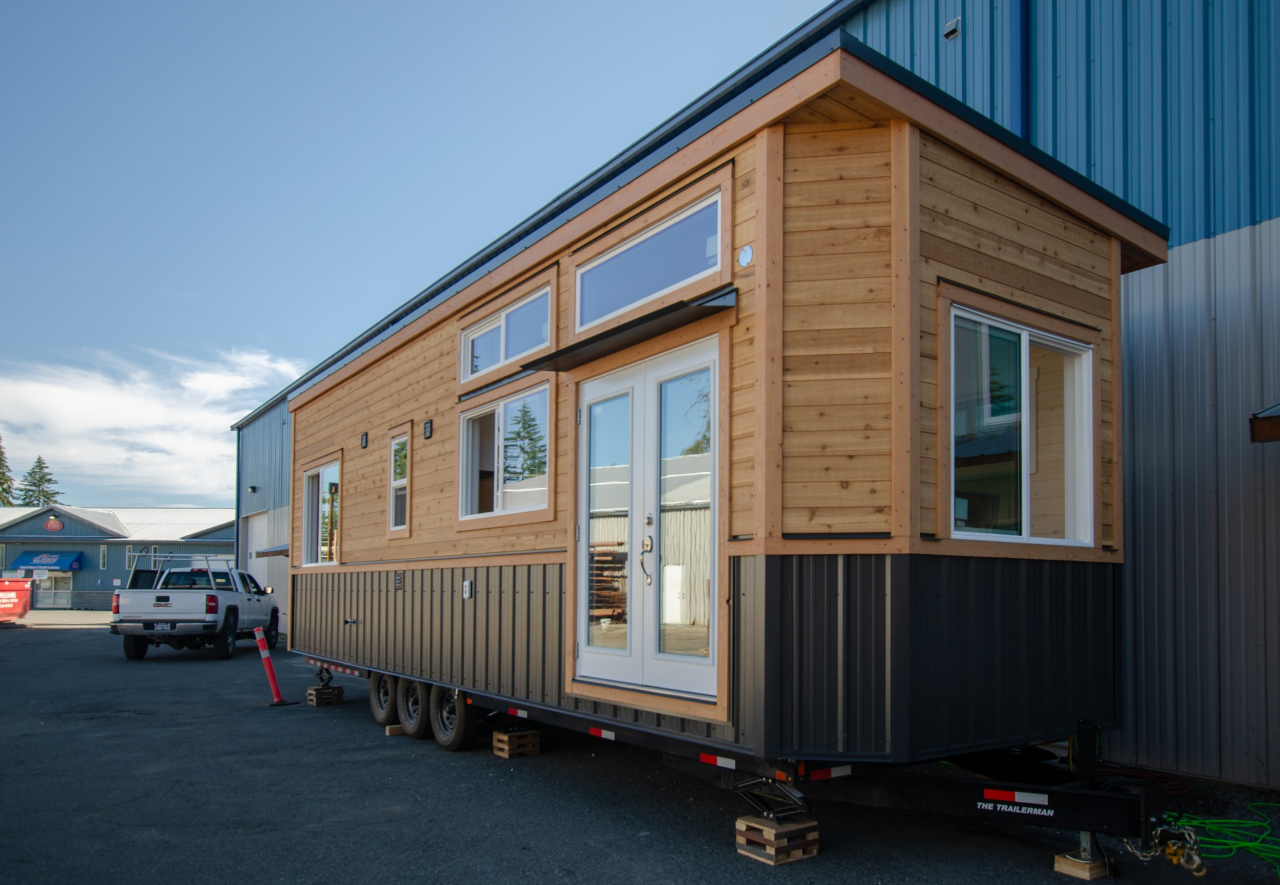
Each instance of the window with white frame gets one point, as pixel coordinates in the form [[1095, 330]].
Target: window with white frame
[[1022, 433], [2, 559], [102, 557], [399, 497], [504, 456], [129, 561], [155, 559], [321, 493], [671, 254], [522, 328]]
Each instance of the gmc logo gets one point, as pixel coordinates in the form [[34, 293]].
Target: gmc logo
[[161, 604]]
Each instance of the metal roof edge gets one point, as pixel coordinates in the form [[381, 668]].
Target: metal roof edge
[[823, 28], [953, 105]]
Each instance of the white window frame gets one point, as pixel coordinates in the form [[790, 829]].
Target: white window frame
[[499, 320], [397, 484], [102, 557], [2, 559], [311, 527], [128, 556], [640, 238], [155, 549], [466, 479], [1079, 437]]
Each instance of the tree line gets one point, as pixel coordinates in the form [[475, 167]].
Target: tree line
[[36, 488]]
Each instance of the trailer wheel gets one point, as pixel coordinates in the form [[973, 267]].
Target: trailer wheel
[[382, 699], [452, 721], [412, 701], [135, 647]]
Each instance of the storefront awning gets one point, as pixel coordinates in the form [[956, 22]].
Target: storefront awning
[[54, 562]]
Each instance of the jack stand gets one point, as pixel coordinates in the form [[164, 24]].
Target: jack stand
[[1087, 863], [772, 800]]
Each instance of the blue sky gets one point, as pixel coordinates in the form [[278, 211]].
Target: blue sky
[[200, 200]]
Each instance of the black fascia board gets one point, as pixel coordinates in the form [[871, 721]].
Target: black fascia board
[[953, 105]]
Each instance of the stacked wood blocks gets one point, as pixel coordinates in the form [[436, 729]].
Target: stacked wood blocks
[[510, 744], [324, 695], [775, 842]]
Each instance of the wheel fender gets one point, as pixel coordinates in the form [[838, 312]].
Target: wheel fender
[[230, 609]]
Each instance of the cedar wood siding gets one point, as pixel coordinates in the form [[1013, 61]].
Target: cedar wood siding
[[980, 229]]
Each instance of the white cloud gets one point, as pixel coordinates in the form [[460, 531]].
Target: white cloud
[[122, 432]]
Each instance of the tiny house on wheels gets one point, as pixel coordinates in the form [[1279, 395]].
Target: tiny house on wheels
[[789, 442]]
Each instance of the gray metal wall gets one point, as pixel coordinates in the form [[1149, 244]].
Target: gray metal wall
[[1203, 517], [265, 450]]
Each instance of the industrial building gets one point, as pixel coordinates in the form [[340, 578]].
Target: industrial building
[[76, 556], [1169, 105]]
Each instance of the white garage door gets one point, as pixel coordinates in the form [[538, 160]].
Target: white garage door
[[256, 536]]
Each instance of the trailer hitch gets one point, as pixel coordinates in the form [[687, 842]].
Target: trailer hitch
[[1177, 844]]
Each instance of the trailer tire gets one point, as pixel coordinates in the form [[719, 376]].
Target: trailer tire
[[382, 699], [224, 641], [452, 721], [135, 647], [413, 700]]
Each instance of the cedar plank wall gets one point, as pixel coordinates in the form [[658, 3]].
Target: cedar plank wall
[[419, 381], [980, 229], [836, 329]]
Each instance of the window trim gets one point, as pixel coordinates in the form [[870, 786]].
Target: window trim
[[1069, 337], [492, 311], [102, 557], [395, 434], [499, 321], [487, 403], [645, 223], [3, 561], [312, 467]]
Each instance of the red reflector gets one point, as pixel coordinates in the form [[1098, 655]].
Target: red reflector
[[707, 758], [821, 774], [115, 603], [1000, 795], [210, 604]]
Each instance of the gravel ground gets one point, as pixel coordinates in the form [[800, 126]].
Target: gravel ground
[[174, 768]]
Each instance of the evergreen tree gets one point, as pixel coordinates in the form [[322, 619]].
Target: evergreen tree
[[6, 480], [37, 486], [524, 451]]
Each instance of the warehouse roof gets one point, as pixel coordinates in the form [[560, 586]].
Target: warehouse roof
[[132, 523], [820, 35]]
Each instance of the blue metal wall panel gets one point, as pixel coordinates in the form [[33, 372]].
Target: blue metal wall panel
[[34, 527], [1167, 103]]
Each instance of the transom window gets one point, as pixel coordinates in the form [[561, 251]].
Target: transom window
[[671, 254], [321, 495], [522, 328], [1022, 433], [504, 456], [399, 509]]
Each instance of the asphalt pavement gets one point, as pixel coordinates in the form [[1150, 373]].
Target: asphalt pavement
[[175, 769]]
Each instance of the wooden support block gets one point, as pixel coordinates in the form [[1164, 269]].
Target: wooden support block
[[774, 842], [1079, 869], [510, 744], [394, 730], [324, 695]]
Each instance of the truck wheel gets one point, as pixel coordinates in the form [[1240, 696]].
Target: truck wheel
[[452, 721], [135, 647], [224, 643], [412, 700], [382, 699], [272, 633]]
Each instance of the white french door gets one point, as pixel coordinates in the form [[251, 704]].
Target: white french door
[[647, 517]]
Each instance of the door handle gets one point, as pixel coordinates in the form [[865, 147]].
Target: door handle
[[646, 547]]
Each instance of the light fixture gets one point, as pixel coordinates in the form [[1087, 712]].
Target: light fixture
[[252, 489]]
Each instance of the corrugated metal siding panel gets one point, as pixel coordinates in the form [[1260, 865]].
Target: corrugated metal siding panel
[[505, 641], [833, 656], [265, 452], [1007, 652], [1168, 103], [1204, 517]]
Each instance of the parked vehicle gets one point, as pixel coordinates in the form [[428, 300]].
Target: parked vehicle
[[194, 606]]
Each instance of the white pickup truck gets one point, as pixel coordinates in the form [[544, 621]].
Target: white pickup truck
[[193, 608]]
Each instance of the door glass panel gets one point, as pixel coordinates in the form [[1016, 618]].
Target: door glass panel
[[987, 428], [684, 520], [609, 522]]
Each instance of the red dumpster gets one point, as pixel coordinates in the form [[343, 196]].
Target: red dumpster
[[15, 599]]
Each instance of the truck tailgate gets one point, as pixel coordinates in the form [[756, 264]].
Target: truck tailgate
[[162, 604]]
